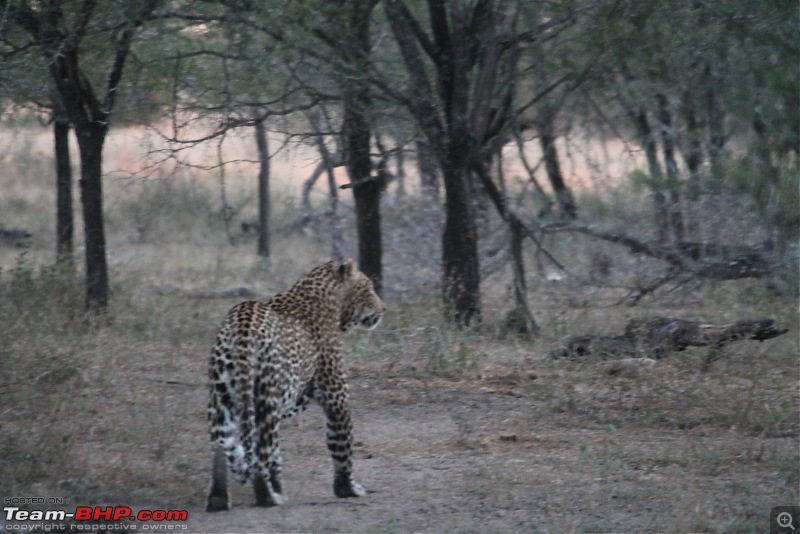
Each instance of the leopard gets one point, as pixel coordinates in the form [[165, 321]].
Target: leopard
[[269, 362]]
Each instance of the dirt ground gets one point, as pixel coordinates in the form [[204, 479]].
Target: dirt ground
[[509, 442], [456, 456]]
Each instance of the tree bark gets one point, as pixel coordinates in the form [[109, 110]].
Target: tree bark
[[716, 116], [428, 173], [400, 172], [263, 190], [337, 235], [656, 176], [562, 193], [91, 137], [328, 165], [693, 153], [460, 267], [366, 193], [520, 318], [65, 227], [357, 134], [673, 177]]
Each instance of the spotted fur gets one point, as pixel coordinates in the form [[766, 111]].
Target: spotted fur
[[269, 361]]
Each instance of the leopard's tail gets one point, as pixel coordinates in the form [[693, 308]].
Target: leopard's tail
[[232, 416], [225, 437]]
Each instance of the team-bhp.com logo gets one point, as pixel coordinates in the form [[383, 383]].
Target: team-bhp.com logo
[[158, 519]]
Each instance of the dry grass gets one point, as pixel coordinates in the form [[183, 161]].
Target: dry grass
[[115, 412]]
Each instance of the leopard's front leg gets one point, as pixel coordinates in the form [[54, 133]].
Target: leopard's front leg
[[339, 435]]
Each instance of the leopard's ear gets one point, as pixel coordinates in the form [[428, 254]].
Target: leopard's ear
[[347, 269]]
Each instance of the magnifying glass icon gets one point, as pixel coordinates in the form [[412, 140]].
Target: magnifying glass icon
[[785, 520]]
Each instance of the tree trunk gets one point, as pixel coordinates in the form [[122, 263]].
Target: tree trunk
[[520, 318], [357, 134], [263, 190], [716, 116], [368, 218], [366, 193], [453, 112], [337, 235], [673, 178], [693, 153], [656, 176], [461, 273], [91, 137], [328, 164], [65, 227], [562, 193], [428, 172], [400, 172]]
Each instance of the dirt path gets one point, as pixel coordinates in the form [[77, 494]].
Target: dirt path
[[447, 457]]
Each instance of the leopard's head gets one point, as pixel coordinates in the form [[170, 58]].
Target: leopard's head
[[360, 304]]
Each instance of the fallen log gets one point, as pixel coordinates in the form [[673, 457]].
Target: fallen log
[[658, 337]]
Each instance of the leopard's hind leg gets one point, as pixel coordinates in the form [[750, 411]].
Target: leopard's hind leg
[[267, 483]]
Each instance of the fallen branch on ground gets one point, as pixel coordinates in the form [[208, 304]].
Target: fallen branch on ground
[[658, 337], [700, 259]]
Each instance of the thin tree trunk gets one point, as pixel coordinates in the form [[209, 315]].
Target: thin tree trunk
[[328, 164], [520, 318], [337, 237], [673, 177], [91, 138], [562, 193], [716, 117], [656, 176], [428, 172], [263, 190], [547, 204], [65, 227], [226, 211], [693, 155], [400, 172], [761, 150]]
